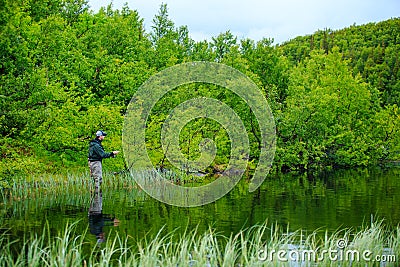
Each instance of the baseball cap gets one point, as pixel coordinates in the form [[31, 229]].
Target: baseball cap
[[101, 133]]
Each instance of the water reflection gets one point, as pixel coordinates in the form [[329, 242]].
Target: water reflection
[[97, 219], [338, 200]]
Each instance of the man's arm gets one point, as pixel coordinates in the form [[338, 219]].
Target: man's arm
[[100, 151]]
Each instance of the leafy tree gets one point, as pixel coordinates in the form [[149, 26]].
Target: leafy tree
[[327, 115], [222, 44], [372, 49], [162, 25], [66, 71]]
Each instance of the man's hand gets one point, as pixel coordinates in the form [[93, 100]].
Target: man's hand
[[115, 153]]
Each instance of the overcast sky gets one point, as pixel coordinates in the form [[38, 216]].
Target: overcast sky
[[281, 20]]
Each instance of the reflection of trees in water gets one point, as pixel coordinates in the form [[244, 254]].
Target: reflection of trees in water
[[334, 200]]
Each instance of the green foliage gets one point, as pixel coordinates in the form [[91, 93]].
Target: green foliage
[[249, 247], [66, 71], [328, 114], [222, 44], [373, 51]]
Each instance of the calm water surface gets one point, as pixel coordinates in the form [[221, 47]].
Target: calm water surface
[[332, 201]]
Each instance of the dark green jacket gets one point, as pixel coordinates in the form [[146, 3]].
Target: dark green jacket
[[96, 151]]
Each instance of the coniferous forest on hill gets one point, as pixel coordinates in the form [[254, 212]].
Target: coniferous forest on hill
[[67, 71]]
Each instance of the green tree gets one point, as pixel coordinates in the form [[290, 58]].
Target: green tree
[[222, 44], [326, 115], [162, 25]]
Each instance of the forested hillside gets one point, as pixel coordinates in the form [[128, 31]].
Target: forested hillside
[[66, 71], [372, 51]]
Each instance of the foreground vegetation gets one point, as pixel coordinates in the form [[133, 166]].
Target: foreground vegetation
[[66, 71], [246, 248]]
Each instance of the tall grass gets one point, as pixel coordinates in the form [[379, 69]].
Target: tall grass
[[200, 249], [78, 184], [53, 184]]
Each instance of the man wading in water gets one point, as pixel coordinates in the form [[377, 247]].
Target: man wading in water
[[96, 155]]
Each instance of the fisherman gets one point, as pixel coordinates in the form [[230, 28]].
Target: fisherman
[[95, 157]]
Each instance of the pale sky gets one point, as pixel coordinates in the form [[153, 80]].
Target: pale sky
[[281, 20]]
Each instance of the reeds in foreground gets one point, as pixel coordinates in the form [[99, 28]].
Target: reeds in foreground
[[260, 245]]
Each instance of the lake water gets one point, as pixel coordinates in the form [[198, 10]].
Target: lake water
[[341, 199]]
